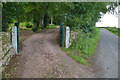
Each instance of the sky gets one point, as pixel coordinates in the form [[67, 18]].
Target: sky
[[108, 20]]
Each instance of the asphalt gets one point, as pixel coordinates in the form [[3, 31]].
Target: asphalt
[[106, 55]]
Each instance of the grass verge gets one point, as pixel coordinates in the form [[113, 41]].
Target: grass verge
[[83, 46], [51, 26], [114, 30]]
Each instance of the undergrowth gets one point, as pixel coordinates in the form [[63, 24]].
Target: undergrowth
[[84, 45]]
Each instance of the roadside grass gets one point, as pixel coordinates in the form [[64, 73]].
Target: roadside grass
[[51, 26], [113, 30], [83, 46]]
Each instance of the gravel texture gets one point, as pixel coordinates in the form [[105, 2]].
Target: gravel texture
[[42, 57]]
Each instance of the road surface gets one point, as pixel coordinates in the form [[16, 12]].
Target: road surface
[[106, 56], [42, 57]]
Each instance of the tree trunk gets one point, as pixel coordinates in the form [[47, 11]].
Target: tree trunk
[[34, 23], [43, 21], [34, 19], [51, 20], [40, 25]]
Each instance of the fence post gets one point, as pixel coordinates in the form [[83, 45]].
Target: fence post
[[17, 24], [67, 37], [14, 37], [61, 35]]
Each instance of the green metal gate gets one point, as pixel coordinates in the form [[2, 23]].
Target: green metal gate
[[61, 35], [17, 24]]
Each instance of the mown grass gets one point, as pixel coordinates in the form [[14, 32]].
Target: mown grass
[[51, 26], [113, 30], [83, 46]]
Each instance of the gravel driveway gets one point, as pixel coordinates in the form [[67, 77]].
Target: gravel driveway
[[106, 56], [42, 57]]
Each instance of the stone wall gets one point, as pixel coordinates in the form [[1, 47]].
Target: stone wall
[[72, 36], [69, 36], [6, 49]]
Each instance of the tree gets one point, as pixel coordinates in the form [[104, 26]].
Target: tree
[[81, 14], [11, 12], [73, 14]]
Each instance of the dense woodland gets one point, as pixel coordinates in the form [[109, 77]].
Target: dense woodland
[[40, 14]]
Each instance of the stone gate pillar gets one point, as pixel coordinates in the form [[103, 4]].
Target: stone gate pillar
[[67, 40], [14, 37]]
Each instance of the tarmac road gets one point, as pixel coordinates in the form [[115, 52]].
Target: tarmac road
[[106, 55]]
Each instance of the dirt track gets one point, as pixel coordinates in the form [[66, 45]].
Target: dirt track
[[42, 57]]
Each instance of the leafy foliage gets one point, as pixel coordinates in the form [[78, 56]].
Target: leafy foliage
[[29, 25], [73, 14], [86, 42], [11, 12], [84, 45], [83, 15], [35, 29]]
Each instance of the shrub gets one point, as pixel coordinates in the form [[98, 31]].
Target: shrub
[[34, 29], [84, 45], [22, 24], [86, 42], [29, 25]]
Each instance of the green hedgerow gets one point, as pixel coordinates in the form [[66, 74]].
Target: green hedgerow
[[84, 44]]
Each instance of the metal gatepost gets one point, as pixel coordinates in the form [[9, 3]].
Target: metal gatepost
[[61, 35], [17, 24]]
